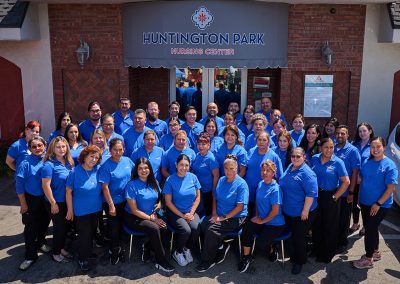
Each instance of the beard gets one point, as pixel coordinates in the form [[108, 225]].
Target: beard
[[151, 117]]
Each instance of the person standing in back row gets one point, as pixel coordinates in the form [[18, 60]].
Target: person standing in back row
[[89, 125]]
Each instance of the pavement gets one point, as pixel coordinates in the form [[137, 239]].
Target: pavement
[[262, 271]]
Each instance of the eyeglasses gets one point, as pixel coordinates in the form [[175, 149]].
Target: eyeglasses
[[296, 156], [38, 146], [108, 124]]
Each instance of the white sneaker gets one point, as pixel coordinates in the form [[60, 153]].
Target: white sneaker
[[188, 255], [180, 258]]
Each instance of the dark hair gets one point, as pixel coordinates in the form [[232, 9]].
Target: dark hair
[[174, 103], [249, 107], [124, 99], [182, 157], [299, 115], [181, 83], [190, 108], [92, 103], [191, 83], [335, 123], [281, 122], [140, 110], [151, 180], [104, 117], [233, 115], [287, 135], [380, 139], [174, 119], [88, 150], [79, 139], [60, 118], [211, 120], [304, 142], [204, 137], [116, 141], [325, 140], [397, 135], [357, 137], [235, 130]]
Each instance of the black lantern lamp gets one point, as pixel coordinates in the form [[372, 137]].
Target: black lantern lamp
[[83, 53], [327, 53]]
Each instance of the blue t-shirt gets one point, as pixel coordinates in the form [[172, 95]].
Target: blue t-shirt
[[202, 167], [282, 156], [155, 158], [251, 142], [53, 135], [86, 190], [237, 150], [28, 176], [296, 137], [114, 135], [218, 120], [167, 141], [76, 152], [145, 196], [328, 174], [351, 158], [274, 140], [216, 142], [229, 194], [168, 120], [105, 155], [296, 186], [183, 190], [253, 173], [159, 127], [123, 123], [134, 140], [86, 129], [116, 175], [58, 172], [241, 134], [169, 159], [375, 177], [193, 133], [18, 151], [243, 127], [266, 196], [365, 152]]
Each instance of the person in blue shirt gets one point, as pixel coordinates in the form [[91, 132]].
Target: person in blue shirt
[[266, 108], [168, 162], [143, 201], [212, 111], [191, 127], [182, 197], [274, 116], [259, 123], [298, 131], [205, 167], [153, 153], [228, 215], [362, 142], [62, 122], [232, 145], [187, 96], [221, 98], [352, 161], [98, 138], [133, 136], [84, 202], [333, 181], [330, 128], [300, 191], [174, 109], [279, 126], [211, 128], [75, 141], [234, 109], [107, 124], [89, 125], [256, 156], [246, 125], [310, 141], [284, 148], [57, 165], [268, 221], [159, 126], [114, 174], [179, 98], [174, 125], [197, 98], [379, 175], [18, 151], [229, 119], [30, 194], [123, 117]]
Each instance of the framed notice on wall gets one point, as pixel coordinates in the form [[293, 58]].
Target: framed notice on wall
[[318, 90]]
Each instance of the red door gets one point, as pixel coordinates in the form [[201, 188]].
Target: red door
[[395, 115], [12, 118]]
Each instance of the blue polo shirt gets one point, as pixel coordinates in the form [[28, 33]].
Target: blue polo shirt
[[123, 123], [168, 140], [116, 175], [183, 190], [375, 177], [241, 134], [229, 194], [328, 174], [243, 127], [28, 176], [193, 133], [18, 151], [145, 196], [296, 137], [282, 156], [365, 152], [58, 173], [86, 129], [159, 127], [251, 142], [216, 142], [53, 135], [296, 186], [237, 150], [275, 141], [253, 173], [86, 190], [202, 167], [268, 195], [114, 135], [168, 120], [133, 140], [76, 152], [351, 158], [218, 120], [105, 156], [168, 161], [155, 158]]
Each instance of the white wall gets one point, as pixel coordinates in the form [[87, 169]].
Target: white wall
[[34, 59], [380, 62]]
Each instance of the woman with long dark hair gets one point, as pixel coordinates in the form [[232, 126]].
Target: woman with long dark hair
[[211, 128], [246, 125], [310, 141], [284, 148], [330, 129], [62, 122], [75, 141]]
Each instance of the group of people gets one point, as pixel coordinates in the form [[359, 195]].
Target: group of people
[[237, 173]]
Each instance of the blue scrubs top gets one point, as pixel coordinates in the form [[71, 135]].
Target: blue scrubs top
[[18, 151], [193, 133], [351, 158], [145, 196], [53, 135], [169, 159], [328, 174], [229, 194], [216, 142], [251, 142], [116, 175], [134, 140], [76, 152], [218, 120], [202, 167], [123, 123], [28, 176], [86, 129], [268, 195], [86, 190], [58, 173], [155, 158], [183, 191], [237, 150], [241, 134], [375, 176], [296, 186], [296, 137], [159, 127]]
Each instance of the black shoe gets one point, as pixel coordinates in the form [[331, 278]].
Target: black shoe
[[204, 266], [245, 263], [146, 256], [273, 256], [114, 255], [166, 267], [84, 265], [221, 254], [296, 268]]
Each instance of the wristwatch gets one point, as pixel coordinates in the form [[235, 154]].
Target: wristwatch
[[334, 198], [379, 204]]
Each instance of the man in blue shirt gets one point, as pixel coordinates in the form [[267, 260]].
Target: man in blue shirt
[[133, 137], [123, 118], [89, 125], [188, 95], [221, 98], [192, 128], [266, 108], [159, 126], [212, 111]]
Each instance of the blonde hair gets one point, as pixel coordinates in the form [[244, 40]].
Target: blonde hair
[[269, 164], [50, 154]]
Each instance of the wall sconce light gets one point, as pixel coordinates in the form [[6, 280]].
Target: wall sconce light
[[83, 53], [327, 53]]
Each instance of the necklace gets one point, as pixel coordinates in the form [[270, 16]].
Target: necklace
[[88, 176]]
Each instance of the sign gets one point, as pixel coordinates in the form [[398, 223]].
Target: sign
[[261, 82], [205, 34], [318, 91]]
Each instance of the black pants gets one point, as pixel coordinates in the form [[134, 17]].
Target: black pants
[[326, 226], [36, 221], [114, 224], [356, 209], [371, 225], [251, 209], [300, 229], [59, 226], [344, 221], [158, 237], [266, 234], [214, 234], [206, 202], [187, 233], [86, 225]]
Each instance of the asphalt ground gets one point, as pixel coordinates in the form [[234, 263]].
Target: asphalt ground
[[262, 271]]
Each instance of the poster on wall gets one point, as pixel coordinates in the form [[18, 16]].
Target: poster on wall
[[261, 82], [318, 90]]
